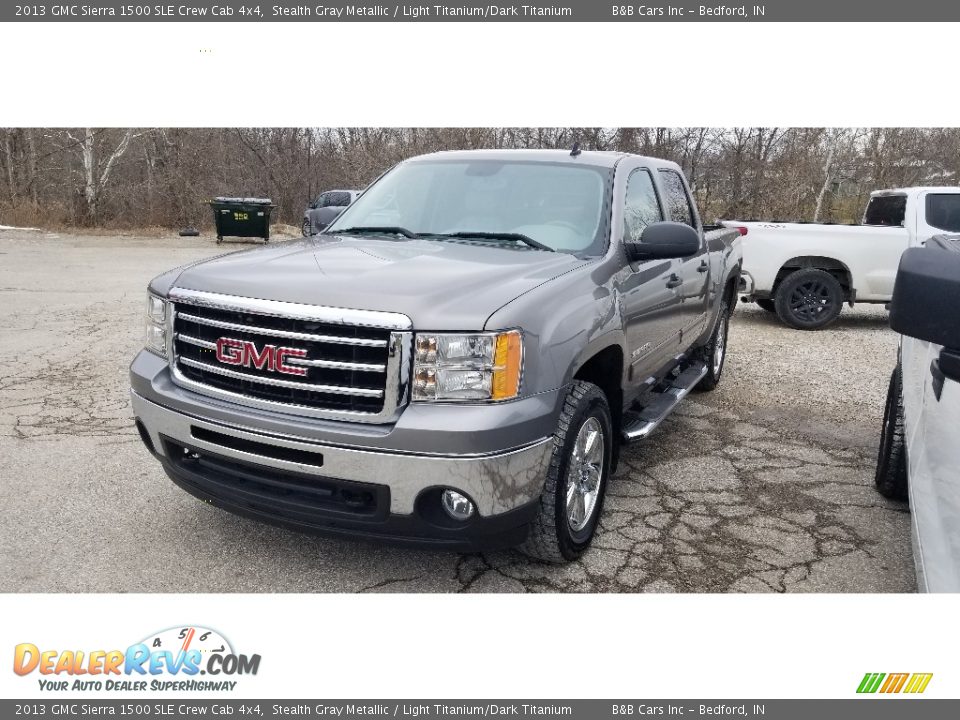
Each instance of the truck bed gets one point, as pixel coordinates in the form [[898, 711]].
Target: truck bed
[[866, 256]]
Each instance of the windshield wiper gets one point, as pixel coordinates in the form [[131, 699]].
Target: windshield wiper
[[516, 237], [373, 230], [463, 234]]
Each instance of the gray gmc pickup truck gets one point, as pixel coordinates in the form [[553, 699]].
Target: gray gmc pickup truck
[[454, 362]]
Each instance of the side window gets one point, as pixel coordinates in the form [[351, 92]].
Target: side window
[[338, 199], [641, 207], [943, 211], [887, 210], [678, 203]]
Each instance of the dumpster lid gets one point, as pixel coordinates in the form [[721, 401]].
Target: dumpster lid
[[245, 200]]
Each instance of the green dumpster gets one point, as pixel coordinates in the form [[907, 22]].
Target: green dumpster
[[242, 217]]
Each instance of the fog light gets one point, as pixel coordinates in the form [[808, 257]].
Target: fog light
[[457, 506]]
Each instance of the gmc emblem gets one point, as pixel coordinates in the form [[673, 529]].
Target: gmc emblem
[[245, 354]]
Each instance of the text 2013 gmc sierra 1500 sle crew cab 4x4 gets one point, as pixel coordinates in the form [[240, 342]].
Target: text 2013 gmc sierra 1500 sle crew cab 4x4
[[454, 361], [805, 272]]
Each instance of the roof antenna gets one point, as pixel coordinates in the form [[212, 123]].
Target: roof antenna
[[576, 150]]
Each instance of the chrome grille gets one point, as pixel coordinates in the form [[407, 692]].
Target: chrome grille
[[329, 368]]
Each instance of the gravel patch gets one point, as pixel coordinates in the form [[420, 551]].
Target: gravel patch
[[764, 485]]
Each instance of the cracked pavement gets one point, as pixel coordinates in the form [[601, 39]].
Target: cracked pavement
[[764, 485]]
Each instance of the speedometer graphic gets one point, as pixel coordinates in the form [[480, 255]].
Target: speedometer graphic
[[185, 638]]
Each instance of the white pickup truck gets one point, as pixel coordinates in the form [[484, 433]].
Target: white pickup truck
[[919, 453], [805, 272]]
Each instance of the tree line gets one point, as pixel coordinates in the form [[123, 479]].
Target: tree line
[[139, 177]]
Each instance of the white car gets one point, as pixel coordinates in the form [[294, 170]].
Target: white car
[[805, 272], [919, 456]]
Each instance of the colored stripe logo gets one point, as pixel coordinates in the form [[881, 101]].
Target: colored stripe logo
[[913, 683]]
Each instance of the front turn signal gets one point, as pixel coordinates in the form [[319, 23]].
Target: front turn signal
[[507, 363]]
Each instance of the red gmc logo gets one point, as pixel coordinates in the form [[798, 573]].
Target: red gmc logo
[[246, 354]]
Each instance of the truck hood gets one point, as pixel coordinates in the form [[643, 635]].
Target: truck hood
[[440, 285]]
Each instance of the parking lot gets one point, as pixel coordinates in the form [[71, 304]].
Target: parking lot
[[763, 485]]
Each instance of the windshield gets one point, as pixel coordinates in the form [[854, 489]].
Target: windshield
[[555, 204]]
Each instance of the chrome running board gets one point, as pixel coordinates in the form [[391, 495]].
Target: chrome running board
[[639, 423]]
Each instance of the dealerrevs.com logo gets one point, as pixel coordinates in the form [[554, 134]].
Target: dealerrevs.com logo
[[178, 659]]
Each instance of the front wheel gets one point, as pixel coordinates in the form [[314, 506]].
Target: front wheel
[[306, 228], [576, 481], [891, 476]]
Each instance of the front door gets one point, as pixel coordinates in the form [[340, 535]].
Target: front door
[[649, 289]]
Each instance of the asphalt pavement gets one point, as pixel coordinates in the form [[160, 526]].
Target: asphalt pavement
[[764, 485]]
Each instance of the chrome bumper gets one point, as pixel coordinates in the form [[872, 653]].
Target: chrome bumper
[[497, 483]]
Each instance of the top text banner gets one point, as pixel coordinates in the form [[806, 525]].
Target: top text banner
[[570, 11]]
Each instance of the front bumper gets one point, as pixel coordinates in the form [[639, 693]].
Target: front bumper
[[313, 483]]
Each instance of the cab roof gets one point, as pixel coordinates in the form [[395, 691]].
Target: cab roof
[[916, 189], [596, 158]]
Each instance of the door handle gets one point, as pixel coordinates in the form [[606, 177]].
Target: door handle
[[938, 379], [703, 267], [674, 281]]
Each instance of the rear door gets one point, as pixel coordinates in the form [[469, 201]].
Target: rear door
[[932, 411], [651, 304], [693, 272]]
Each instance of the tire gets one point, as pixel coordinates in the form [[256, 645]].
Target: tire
[[714, 353], [891, 477], [809, 299], [555, 534], [768, 305], [306, 228]]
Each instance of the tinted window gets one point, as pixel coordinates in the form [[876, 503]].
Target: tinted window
[[943, 211], [335, 199], [886, 210], [641, 207], [677, 201]]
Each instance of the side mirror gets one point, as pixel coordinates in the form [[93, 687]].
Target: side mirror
[[926, 296], [664, 240]]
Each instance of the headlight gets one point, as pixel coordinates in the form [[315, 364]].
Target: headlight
[[480, 366], [156, 324]]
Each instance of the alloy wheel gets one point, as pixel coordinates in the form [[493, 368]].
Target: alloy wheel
[[720, 347], [811, 300], [584, 474]]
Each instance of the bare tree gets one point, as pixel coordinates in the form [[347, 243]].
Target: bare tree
[[135, 177], [95, 169], [834, 139]]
